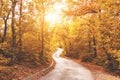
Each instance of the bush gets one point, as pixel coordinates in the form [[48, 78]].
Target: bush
[[113, 61], [73, 54], [87, 58], [100, 60], [4, 61], [47, 58], [29, 58], [113, 65]]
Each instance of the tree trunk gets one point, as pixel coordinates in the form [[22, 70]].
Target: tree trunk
[[94, 48], [5, 31], [89, 39], [42, 29], [20, 33], [89, 46], [13, 44], [42, 33], [5, 27]]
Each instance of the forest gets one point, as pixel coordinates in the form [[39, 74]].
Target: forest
[[88, 30]]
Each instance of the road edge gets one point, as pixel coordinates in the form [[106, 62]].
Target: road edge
[[42, 72], [98, 69]]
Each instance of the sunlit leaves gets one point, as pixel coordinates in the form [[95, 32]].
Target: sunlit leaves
[[5, 8], [84, 21]]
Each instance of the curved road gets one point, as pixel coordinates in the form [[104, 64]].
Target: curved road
[[67, 70]]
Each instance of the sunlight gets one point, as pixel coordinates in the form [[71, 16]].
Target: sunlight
[[75, 0], [54, 15], [29, 0], [58, 6]]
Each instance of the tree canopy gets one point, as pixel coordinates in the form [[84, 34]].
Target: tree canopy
[[89, 30]]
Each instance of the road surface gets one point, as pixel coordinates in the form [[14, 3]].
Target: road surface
[[67, 70]]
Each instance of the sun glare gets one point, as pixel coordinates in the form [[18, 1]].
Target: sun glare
[[52, 18], [54, 15]]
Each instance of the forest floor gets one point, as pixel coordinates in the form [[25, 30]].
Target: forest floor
[[98, 72], [18, 72]]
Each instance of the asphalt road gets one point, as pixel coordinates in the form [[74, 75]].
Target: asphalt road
[[67, 70]]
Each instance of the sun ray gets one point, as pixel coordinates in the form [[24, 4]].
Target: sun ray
[[54, 15]]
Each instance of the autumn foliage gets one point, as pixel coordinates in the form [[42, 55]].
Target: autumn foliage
[[88, 30]]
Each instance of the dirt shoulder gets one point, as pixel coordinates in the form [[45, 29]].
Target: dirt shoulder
[[17, 72], [41, 73], [20, 72], [98, 72]]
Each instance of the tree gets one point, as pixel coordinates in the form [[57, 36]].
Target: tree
[[13, 45], [80, 8], [42, 27], [5, 12]]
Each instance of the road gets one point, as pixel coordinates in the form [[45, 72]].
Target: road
[[67, 70]]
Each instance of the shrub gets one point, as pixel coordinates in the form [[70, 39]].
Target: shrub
[[113, 64], [100, 60], [4, 61], [87, 58]]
